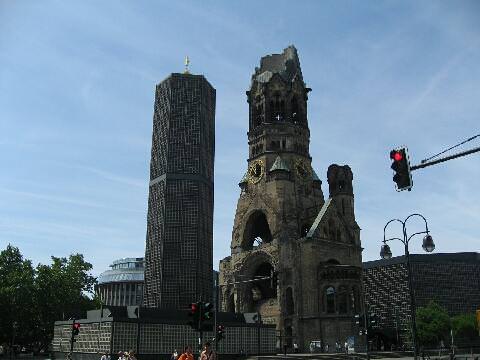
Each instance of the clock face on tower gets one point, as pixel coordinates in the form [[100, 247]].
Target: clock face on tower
[[255, 171], [302, 169]]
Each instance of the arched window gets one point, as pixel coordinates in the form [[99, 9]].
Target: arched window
[[256, 231], [290, 309], [342, 300], [231, 303], [331, 228], [294, 106], [333, 262], [330, 299], [355, 300], [264, 289], [277, 108]]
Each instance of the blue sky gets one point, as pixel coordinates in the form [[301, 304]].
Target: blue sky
[[77, 82]]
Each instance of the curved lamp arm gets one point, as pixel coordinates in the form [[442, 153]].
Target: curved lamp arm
[[394, 238], [388, 223], [417, 233]]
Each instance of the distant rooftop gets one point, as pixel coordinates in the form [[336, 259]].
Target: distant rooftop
[[124, 270], [464, 257]]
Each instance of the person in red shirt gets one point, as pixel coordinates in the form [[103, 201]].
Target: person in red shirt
[[187, 354]]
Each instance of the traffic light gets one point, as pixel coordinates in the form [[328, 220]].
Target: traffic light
[[75, 329], [207, 311], [194, 315], [401, 167], [219, 336], [372, 319], [359, 320]]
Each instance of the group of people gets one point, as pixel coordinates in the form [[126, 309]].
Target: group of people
[[122, 355], [207, 354]]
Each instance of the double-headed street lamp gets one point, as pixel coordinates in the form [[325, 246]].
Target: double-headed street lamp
[[385, 253]]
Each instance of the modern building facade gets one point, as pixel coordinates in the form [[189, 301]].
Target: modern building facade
[[451, 280], [122, 285], [155, 334], [306, 249], [179, 241]]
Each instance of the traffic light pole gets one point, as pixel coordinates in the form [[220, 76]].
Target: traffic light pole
[[72, 338], [365, 320], [434, 162], [200, 337], [215, 321]]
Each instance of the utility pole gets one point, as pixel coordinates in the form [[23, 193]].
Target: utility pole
[[215, 321], [200, 326], [72, 338], [364, 305]]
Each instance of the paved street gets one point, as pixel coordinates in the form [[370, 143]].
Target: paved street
[[385, 355]]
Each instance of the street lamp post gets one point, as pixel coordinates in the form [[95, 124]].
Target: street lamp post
[[385, 253]]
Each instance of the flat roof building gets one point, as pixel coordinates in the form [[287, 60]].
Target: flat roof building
[[122, 285], [450, 279]]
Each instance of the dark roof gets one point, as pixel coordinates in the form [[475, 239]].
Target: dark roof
[[461, 257], [122, 275]]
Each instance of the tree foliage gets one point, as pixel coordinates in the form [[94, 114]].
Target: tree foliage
[[34, 298], [17, 289], [465, 326], [433, 324]]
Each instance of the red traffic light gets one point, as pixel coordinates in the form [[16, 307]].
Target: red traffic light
[[401, 167], [193, 307], [76, 326], [396, 155]]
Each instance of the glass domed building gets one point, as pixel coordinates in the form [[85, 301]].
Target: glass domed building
[[122, 285]]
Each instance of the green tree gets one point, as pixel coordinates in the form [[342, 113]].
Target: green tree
[[464, 327], [433, 324], [16, 297], [64, 290]]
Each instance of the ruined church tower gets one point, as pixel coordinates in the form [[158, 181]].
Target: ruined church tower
[[304, 249]]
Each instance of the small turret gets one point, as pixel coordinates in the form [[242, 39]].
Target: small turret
[[341, 189]]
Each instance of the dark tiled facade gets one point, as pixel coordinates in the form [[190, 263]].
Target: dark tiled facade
[[178, 256], [156, 334], [452, 280]]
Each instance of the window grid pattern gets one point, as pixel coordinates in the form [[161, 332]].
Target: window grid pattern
[[93, 337], [444, 278], [124, 336], [161, 338]]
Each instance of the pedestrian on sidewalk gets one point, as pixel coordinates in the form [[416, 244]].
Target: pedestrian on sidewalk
[[208, 353], [187, 353]]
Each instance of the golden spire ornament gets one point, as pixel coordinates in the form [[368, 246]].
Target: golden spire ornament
[[187, 62]]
